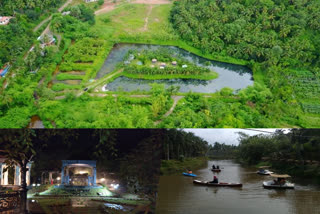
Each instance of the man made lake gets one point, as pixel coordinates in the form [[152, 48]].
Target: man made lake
[[177, 194], [233, 76]]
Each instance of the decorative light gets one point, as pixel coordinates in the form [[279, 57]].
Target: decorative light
[[102, 179], [58, 178], [33, 185], [38, 185]]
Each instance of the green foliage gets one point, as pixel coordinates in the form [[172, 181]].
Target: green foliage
[[100, 2], [298, 144], [169, 167], [259, 30]]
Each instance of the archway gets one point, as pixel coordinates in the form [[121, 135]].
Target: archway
[[78, 173]]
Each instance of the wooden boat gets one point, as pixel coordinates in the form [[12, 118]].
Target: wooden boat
[[216, 170], [189, 174], [263, 171], [221, 184], [276, 184]]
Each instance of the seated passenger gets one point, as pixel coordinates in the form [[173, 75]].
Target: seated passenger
[[215, 180], [218, 167], [213, 166]]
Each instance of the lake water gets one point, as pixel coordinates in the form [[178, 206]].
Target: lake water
[[177, 194], [233, 76]]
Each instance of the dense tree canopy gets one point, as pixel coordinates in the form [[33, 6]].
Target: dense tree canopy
[[179, 144], [32, 8], [298, 144], [260, 30]]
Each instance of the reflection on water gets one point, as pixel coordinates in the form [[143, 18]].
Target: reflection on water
[[177, 194], [233, 76], [76, 205]]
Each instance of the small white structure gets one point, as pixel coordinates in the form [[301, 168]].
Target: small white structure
[[184, 66], [4, 176], [154, 60], [163, 64], [66, 13], [88, 1], [4, 20], [46, 40], [174, 63]]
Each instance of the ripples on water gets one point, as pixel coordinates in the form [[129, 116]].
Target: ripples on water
[[177, 194]]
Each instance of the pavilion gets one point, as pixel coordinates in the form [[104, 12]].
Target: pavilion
[[78, 173], [12, 177]]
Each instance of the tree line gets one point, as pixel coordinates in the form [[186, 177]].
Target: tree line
[[297, 145]]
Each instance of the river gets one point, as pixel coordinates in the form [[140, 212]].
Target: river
[[233, 76], [177, 194]]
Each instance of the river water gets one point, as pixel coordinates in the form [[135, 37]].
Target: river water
[[177, 194], [230, 75]]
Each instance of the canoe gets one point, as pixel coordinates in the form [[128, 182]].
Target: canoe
[[216, 170], [206, 183], [189, 174], [271, 185]]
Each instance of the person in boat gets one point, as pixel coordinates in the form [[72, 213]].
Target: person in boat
[[218, 167], [189, 171], [213, 166], [215, 180], [282, 181]]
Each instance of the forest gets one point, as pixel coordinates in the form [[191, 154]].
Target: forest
[[298, 144], [16, 37], [296, 152], [276, 38]]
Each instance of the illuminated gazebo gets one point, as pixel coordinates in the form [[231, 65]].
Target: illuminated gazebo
[[78, 173], [12, 176]]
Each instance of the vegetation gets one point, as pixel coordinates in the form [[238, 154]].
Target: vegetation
[[181, 151], [296, 153], [140, 63], [277, 40], [222, 151]]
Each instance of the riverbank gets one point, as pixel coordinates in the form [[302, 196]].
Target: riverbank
[[169, 167], [299, 170]]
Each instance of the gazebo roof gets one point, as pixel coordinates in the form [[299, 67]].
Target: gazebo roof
[[280, 176]]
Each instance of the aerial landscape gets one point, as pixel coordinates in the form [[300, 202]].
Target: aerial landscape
[[159, 63]]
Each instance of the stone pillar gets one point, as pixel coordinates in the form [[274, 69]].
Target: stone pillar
[[94, 183], [1, 175], [28, 174], [50, 177], [67, 176], [5, 176], [17, 176], [62, 175]]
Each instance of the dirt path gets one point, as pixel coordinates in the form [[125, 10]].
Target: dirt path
[[151, 2], [49, 18], [106, 7], [93, 85], [146, 20], [175, 102]]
